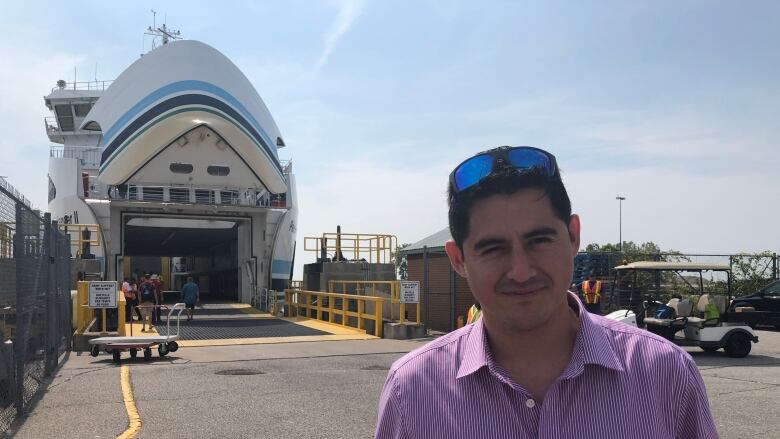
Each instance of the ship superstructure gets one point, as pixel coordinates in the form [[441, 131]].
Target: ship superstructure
[[173, 168]]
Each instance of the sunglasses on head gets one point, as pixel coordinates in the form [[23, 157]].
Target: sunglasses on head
[[520, 158]]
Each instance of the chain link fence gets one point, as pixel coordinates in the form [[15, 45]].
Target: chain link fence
[[35, 304]]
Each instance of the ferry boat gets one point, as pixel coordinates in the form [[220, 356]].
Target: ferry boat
[[173, 169]]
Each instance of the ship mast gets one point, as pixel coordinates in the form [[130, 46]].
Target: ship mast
[[162, 32]]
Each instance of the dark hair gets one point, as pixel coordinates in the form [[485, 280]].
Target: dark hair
[[506, 181]]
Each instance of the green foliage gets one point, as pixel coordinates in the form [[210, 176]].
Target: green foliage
[[401, 266], [632, 252], [751, 272]]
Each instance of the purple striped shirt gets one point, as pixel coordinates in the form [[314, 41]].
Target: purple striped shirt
[[621, 382]]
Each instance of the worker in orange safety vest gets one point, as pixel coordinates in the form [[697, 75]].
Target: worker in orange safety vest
[[591, 294]]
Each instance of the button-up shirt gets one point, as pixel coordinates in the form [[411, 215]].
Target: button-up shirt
[[620, 382]]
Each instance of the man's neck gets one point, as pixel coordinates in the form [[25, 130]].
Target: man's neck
[[551, 345]]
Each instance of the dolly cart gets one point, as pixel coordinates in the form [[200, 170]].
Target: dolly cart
[[165, 343]]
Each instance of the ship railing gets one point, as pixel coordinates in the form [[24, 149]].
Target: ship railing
[[181, 194], [88, 156], [82, 85]]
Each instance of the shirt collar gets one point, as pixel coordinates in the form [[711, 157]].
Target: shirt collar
[[592, 346]]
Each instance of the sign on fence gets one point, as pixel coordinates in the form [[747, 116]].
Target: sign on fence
[[102, 294], [410, 291]]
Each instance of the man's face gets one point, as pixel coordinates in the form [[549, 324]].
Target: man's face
[[518, 258]]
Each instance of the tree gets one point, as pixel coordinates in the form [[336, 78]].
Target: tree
[[632, 252], [750, 272], [399, 259]]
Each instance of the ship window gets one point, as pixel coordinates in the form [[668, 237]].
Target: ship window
[[153, 193], [228, 197], [92, 126], [133, 193], [279, 141], [179, 195], [64, 117], [218, 171], [52, 191], [181, 168], [81, 110], [204, 196]]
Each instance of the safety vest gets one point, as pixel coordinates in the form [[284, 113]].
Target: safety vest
[[591, 295], [474, 314]]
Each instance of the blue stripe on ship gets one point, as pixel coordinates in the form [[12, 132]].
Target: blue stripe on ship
[[279, 266]]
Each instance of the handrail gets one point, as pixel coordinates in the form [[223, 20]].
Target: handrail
[[372, 247], [78, 229], [83, 85], [395, 295], [312, 301]]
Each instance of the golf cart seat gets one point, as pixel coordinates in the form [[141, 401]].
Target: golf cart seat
[[718, 303], [682, 309]]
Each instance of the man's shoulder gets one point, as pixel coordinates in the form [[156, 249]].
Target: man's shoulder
[[631, 342], [431, 356]]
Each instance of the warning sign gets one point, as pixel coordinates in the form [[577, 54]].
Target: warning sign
[[103, 294], [410, 291]]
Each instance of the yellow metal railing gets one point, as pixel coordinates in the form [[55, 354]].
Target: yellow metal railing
[[354, 246], [296, 284], [79, 241], [83, 314], [372, 287], [315, 304]]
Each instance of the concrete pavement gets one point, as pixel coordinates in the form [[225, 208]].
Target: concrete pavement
[[318, 389]]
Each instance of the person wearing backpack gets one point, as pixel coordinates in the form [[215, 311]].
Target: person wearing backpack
[[147, 302]]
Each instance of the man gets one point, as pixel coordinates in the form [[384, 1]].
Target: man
[[131, 300], [146, 302], [591, 294], [158, 298], [535, 364], [190, 295]]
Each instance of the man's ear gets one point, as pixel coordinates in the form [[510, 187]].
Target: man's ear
[[574, 233], [456, 258]]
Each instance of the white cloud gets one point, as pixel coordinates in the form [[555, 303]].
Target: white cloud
[[349, 11]]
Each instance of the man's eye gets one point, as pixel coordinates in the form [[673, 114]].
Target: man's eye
[[541, 240], [490, 250]]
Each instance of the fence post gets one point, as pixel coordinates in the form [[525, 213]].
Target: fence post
[[48, 262], [20, 334], [426, 293]]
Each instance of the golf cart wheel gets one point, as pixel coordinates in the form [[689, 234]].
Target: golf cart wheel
[[738, 345], [133, 353], [173, 346], [117, 356], [94, 350], [162, 349], [710, 349], [147, 354]]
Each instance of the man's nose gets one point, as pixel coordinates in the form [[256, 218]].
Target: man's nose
[[521, 265]]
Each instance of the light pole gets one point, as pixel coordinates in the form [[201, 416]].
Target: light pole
[[620, 222]]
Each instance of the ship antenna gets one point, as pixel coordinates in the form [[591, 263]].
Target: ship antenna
[[163, 32]]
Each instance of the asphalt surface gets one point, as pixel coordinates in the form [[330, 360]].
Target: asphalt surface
[[319, 389]]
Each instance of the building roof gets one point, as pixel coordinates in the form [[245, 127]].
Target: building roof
[[433, 242]]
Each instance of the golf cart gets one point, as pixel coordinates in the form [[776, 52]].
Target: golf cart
[[693, 317]]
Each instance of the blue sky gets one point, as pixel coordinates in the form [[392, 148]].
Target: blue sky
[[673, 104]]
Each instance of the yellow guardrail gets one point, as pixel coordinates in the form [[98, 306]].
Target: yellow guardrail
[[371, 287], [373, 248], [83, 314], [77, 231], [311, 304]]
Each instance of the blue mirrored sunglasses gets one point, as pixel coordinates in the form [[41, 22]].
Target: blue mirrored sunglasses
[[521, 158]]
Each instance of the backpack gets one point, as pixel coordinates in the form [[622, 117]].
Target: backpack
[[148, 292], [664, 312]]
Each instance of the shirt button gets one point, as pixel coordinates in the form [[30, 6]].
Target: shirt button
[[530, 403]]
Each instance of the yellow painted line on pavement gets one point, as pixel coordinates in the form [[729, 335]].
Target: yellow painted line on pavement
[[133, 419], [272, 340]]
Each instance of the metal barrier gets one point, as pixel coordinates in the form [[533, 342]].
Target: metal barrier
[[35, 302], [83, 315], [370, 286], [374, 248], [87, 236], [315, 304]]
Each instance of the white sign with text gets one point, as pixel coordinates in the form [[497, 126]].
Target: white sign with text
[[410, 291], [103, 294]]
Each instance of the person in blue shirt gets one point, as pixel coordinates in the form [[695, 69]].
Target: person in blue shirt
[[190, 295]]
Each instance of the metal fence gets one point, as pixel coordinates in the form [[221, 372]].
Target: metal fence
[[35, 305], [446, 296]]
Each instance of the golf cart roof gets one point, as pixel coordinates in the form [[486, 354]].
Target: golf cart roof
[[672, 266]]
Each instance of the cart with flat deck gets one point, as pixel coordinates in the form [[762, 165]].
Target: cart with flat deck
[[165, 343]]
